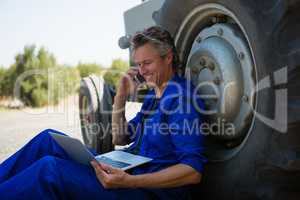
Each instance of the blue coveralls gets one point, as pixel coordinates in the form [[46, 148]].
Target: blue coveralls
[[42, 170]]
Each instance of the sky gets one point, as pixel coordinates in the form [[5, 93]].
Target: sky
[[73, 30]]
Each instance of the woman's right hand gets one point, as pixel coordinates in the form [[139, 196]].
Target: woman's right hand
[[127, 86]]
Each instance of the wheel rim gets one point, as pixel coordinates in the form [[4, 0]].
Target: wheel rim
[[221, 54], [221, 58]]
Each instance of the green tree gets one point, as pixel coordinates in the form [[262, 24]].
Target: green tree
[[33, 87], [46, 59], [63, 82], [2, 71], [113, 74], [7, 81], [2, 75], [86, 69], [35, 66], [42, 81]]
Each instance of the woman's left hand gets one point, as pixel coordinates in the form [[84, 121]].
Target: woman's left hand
[[111, 177]]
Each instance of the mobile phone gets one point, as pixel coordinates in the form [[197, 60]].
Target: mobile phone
[[139, 78]]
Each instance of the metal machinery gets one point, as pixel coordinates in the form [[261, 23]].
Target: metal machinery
[[248, 55]]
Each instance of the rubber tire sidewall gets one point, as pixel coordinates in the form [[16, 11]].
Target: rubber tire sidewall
[[86, 91], [238, 178]]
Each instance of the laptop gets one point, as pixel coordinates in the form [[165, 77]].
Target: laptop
[[80, 153]]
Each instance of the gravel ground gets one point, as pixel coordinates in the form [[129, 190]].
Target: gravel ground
[[19, 126]]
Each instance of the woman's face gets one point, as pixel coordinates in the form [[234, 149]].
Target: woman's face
[[152, 66]]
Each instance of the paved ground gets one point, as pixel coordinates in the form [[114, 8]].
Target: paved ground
[[18, 127]]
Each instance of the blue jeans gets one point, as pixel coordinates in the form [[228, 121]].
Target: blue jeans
[[42, 170]]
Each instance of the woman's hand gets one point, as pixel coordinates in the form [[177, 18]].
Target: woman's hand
[[111, 177]]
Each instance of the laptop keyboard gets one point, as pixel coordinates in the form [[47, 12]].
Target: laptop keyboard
[[111, 162]]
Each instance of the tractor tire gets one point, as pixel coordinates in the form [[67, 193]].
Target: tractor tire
[[95, 106], [266, 162]]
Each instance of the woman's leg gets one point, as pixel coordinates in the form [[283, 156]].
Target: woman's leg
[[55, 178], [41, 145]]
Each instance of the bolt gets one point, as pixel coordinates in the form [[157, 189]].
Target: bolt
[[202, 62], [241, 55], [195, 70], [230, 144], [211, 67], [155, 15], [214, 20], [217, 81], [220, 32], [199, 39], [245, 98]]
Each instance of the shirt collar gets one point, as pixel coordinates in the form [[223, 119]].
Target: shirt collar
[[172, 89]]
